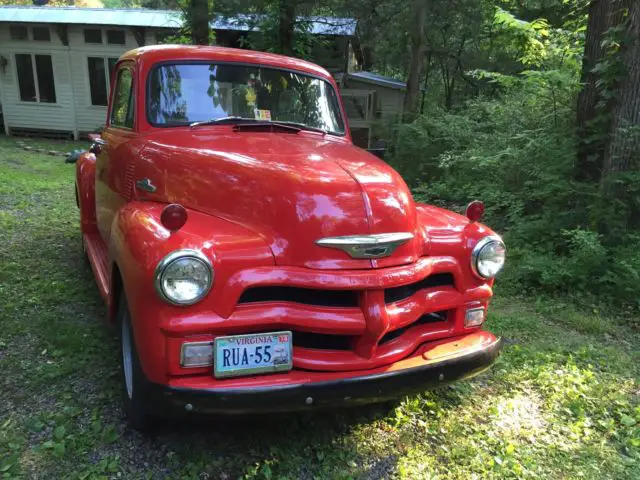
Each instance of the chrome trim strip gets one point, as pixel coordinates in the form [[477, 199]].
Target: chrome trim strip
[[367, 246], [173, 256], [476, 251]]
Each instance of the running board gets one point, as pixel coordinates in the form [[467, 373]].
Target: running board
[[97, 253]]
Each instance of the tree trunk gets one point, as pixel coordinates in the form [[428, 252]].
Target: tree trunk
[[426, 82], [286, 26], [623, 149], [417, 49], [591, 147], [199, 19]]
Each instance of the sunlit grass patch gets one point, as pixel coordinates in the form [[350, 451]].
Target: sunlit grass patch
[[562, 401]]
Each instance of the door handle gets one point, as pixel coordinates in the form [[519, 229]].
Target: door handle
[[146, 185]]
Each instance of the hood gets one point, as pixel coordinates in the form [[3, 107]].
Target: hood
[[292, 189]]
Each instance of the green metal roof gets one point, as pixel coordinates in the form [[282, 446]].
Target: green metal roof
[[136, 17]]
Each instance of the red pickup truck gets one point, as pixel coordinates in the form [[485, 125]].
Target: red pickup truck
[[254, 259]]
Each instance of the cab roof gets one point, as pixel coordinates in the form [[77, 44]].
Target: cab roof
[[167, 53]]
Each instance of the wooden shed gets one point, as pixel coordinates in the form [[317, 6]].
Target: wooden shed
[[370, 98]]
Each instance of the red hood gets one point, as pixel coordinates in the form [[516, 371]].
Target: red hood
[[291, 189]]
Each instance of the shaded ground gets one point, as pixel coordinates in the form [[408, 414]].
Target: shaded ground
[[562, 402]]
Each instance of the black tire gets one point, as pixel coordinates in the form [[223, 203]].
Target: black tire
[[134, 382]]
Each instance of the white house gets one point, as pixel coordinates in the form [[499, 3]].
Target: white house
[[55, 62]]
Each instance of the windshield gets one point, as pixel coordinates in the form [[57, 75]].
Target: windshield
[[181, 94]]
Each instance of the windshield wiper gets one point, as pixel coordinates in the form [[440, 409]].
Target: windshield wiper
[[230, 118], [301, 126], [235, 118]]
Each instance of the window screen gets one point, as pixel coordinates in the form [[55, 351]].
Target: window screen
[[112, 64], [18, 32], [44, 71], [93, 35], [115, 37], [26, 82], [97, 81], [41, 34]]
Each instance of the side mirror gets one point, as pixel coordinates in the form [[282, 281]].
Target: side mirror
[[97, 141], [378, 152]]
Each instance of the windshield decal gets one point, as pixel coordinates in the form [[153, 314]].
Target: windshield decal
[[262, 114]]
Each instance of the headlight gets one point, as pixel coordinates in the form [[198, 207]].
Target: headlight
[[184, 277], [487, 257]]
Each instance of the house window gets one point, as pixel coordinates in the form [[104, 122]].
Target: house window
[[115, 37], [92, 35], [122, 110], [26, 81], [41, 34], [18, 32], [44, 72], [112, 64], [35, 78], [100, 70]]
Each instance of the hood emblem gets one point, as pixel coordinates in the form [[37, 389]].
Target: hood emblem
[[367, 246]]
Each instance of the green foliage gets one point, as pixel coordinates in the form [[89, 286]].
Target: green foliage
[[516, 150], [265, 28], [183, 35]]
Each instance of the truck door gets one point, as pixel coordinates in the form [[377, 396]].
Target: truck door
[[112, 160]]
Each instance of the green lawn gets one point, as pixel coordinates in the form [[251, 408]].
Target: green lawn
[[562, 402]]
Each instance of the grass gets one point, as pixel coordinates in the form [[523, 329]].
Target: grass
[[562, 402]]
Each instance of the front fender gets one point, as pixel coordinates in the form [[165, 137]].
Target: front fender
[[139, 242], [446, 233]]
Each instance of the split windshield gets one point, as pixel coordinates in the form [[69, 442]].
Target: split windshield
[[181, 94]]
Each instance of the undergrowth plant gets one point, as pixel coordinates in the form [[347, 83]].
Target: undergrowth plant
[[515, 149]]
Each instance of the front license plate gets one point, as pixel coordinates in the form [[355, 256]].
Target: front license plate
[[239, 355]]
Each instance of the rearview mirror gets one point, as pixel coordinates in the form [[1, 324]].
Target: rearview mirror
[[96, 141]]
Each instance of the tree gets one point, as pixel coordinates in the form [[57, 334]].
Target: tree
[[609, 103], [197, 16], [590, 112], [286, 25], [622, 152], [416, 63]]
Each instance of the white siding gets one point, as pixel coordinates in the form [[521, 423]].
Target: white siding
[[90, 117], [19, 114], [73, 111]]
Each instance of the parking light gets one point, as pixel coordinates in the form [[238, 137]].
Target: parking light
[[196, 354], [474, 317]]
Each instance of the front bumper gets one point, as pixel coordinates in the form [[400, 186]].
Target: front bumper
[[433, 365]]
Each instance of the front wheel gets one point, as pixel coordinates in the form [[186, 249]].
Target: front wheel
[[134, 382]]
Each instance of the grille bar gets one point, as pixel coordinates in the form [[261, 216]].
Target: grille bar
[[427, 318], [321, 298], [322, 341], [339, 298], [395, 294]]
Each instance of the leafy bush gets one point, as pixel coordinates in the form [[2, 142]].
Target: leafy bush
[[517, 152]]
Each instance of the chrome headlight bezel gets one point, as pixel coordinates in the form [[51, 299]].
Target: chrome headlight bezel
[[170, 259], [475, 255]]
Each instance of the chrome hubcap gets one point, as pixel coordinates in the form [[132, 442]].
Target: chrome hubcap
[[127, 365]]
